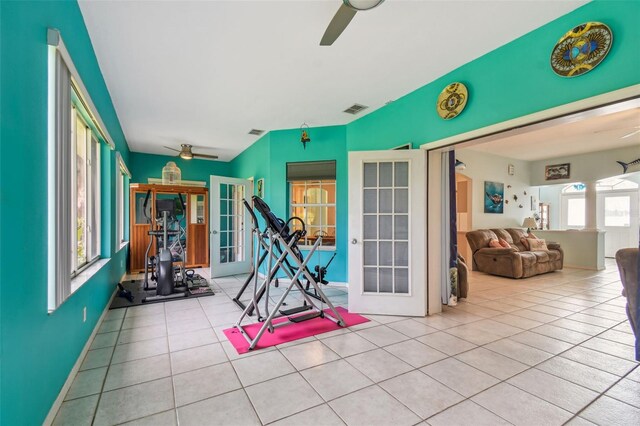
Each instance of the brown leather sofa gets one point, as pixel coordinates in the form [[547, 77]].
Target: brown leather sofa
[[513, 262], [628, 261]]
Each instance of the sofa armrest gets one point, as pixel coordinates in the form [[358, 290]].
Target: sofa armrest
[[554, 246], [506, 262]]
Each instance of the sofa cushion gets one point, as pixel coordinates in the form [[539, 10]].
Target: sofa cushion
[[495, 243], [501, 233], [541, 256], [554, 255], [528, 259], [480, 238], [537, 244]]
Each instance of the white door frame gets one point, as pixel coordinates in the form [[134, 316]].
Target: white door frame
[[413, 303], [218, 269], [434, 177]]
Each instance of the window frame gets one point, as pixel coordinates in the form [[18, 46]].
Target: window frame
[[305, 241], [92, 200]]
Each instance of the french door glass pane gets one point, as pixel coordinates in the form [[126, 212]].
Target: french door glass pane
[[386, 227]]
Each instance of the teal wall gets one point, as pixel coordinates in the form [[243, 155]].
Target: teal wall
[[37, 349], [144, 166], [268, 159], [509, 82]]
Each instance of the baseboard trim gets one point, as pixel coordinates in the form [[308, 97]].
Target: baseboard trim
[[48, 421]]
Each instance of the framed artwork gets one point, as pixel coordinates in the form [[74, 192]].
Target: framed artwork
[[260, 188], [557, 171], [493, 197]]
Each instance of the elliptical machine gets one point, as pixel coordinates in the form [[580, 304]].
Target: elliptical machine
[[171, 282]]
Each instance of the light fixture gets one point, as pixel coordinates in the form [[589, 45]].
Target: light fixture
[[304, 136], [362, 4], [185, 152], [529, 223], [460, 165]]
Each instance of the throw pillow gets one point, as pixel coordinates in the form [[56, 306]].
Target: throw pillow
[[537, 244], [525, 243], [504, 243], [532, 236], [494, 243]]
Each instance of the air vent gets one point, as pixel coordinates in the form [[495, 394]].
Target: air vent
[[256, 132], [355, 109]]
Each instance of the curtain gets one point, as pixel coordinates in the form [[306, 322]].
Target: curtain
[[61, 257], [449, 243]]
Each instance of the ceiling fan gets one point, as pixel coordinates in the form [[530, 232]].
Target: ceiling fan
[[186, 154], [343, 16]]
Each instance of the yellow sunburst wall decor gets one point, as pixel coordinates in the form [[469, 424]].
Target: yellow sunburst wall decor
[[452, 101], [581, 49]]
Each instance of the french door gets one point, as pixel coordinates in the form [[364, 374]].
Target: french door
[[230, 236], [387, 232]]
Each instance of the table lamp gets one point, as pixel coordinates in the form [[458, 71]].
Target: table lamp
[[529, 223]]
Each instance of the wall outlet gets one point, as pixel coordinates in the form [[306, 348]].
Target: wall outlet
[[84, 314]]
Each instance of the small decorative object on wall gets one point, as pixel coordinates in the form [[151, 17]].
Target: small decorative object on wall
[[508, 186], [515, 197], [557, 171], [625, 166], [511, 169], [581, 49], [520, 205], [452, 101], [304, 137], [506, 201], [525, 192], [260, 188], [494, 197]]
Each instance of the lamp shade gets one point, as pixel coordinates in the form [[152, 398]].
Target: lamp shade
[[529, 222]]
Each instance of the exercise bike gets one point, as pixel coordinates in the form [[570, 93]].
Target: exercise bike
[[171, 281]]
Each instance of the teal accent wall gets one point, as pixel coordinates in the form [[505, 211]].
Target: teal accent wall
[[144, 166], [509, 82], [37, 349], [268, 158]]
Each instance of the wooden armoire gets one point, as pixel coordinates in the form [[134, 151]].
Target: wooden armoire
[[195, 222]]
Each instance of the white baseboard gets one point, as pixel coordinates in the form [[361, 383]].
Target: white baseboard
[[76, 367]]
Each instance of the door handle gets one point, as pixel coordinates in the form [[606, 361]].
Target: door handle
[[354, 241], [214, 232]]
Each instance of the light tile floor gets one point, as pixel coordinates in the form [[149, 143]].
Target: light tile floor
[[547, 350]]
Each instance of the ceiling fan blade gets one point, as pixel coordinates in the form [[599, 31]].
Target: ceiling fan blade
[[172, 149], [630, 134], [205, 156], [343, 16]]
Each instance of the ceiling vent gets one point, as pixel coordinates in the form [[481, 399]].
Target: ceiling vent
[[355, 109], [256, 132]]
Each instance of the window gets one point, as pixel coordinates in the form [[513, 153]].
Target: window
[[85, 194], [122, 193], [575, 213], [312, 197], [617, 211], [75, 133]]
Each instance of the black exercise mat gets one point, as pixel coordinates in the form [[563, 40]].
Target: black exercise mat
[[135, 287]]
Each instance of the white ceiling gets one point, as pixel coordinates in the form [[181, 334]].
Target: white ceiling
[[559, 138], [205, 73]]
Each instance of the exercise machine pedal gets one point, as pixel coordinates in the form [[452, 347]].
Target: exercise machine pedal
[[296, 310], [306, 317]]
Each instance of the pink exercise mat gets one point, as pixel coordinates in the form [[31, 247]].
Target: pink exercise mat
[[290, 332]]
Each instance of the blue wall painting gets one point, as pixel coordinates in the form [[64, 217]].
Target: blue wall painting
[[493, 197]]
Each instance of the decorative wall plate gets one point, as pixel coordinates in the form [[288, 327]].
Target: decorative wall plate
[[581, 49], [452, 100]]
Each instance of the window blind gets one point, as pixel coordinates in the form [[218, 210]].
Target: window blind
[[310, 170]]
